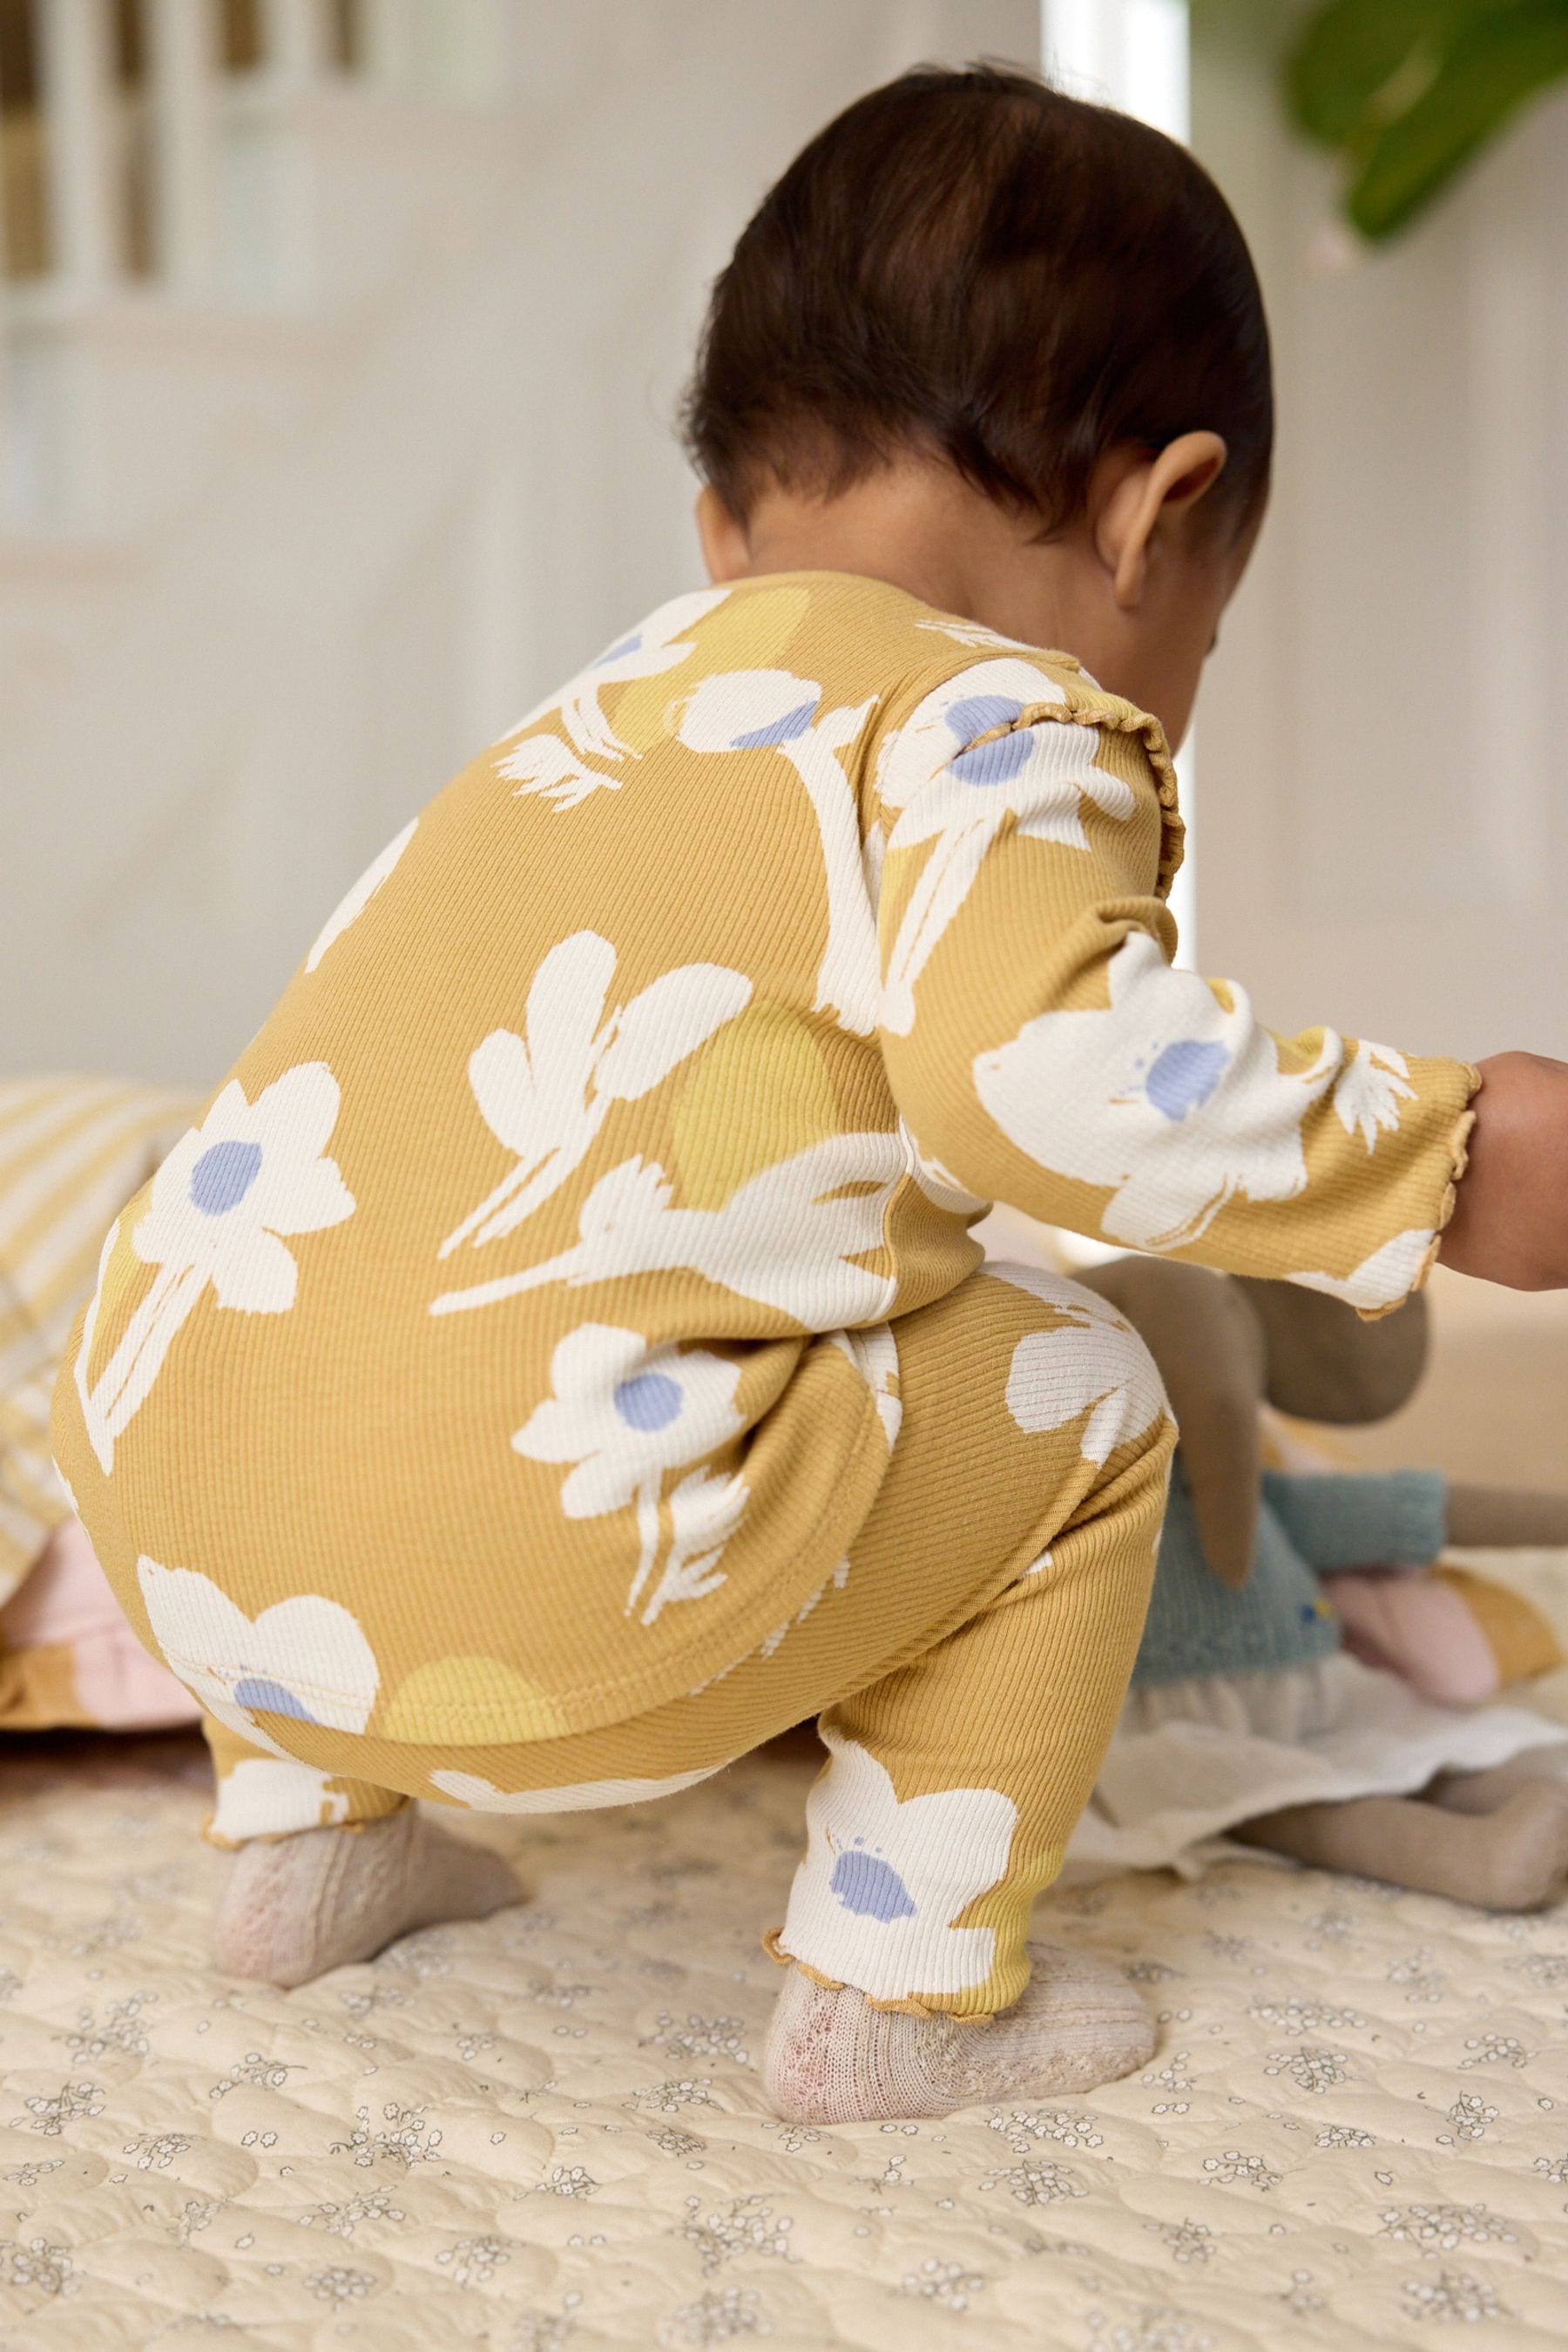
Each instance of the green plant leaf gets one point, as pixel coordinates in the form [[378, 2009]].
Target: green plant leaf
[[1350, 50], [1493, 66], [1406, 92]]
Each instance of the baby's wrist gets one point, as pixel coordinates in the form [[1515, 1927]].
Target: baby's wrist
[[1509, 1223]]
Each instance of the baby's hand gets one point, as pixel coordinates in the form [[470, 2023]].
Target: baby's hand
[[1511, 1214]]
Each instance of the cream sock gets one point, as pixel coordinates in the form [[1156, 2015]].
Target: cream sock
[[296, 1907], [832, 2058]]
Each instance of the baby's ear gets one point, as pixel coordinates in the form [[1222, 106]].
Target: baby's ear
[[1203, 1336], [1326, 1364]]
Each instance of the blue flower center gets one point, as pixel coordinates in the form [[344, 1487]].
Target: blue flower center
[[996, 762], [1184, 1075], [988, 763], [648, 1401], [618, 652], [978, 713], [778, 731], [869, 1886], [260, 1692], [224, 1175]]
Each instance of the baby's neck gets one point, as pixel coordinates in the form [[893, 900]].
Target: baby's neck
[[918, 527]]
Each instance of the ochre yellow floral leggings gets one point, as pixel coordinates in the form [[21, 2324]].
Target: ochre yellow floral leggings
[[967, 1661]]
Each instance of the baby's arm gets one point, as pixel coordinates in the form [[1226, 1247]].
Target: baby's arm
[[1044, 1051], [1510, 1213]]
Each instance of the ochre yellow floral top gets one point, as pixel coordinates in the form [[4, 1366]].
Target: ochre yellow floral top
[[524, 1295]]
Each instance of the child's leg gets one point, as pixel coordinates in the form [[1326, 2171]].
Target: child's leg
[[953, 1786], [1031, 1417], [1512, 1858], [329, 1870]]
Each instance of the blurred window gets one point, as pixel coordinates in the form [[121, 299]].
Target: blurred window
[[240, 43], [24, 195]]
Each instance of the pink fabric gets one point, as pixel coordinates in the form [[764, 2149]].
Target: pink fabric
[[66, 1600], [1418, 1628]]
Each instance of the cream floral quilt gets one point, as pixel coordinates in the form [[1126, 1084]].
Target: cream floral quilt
[[546, 2133]]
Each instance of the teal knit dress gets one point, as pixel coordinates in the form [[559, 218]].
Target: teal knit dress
[[1306, 1526]]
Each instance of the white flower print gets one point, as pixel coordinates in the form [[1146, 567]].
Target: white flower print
[[958, 794], [1384, 1279], [623, 1414], [582, 1797], [972, 633], [752, 709], [705, 1509], [558, 770], [305, 1657], [1370, 1089], [1172, 1097], [976, 635], [547, 765], [623, 1411], [1091, 1360], [547, 1095], [834, 1581], [874, 1352], [354, 901], [874, 1900], [787, 1238], [263, 1796], [939, 1185], [219, 1205]]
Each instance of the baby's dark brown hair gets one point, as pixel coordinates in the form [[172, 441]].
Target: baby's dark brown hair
[[976, 266]]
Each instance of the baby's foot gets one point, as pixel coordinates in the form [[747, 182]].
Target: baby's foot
[[298, 1906], [832, 2058]]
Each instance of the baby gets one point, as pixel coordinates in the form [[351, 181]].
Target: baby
[[559, 1360]]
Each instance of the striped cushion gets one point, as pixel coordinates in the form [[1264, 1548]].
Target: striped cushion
[[72, 1152]]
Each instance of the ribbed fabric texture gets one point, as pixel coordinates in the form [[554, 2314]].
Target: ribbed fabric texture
[[1280, 1617], [513, 1345], [833, 2057], [967, 1661]]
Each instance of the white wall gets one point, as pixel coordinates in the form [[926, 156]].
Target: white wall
[[1384, 805], [445, 484]]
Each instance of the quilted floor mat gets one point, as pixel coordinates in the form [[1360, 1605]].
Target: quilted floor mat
[[546, 2134]]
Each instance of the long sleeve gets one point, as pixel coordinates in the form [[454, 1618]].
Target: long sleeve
[[1043, 1051]]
